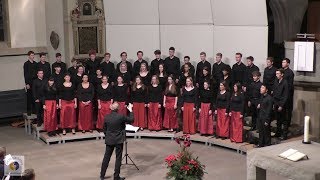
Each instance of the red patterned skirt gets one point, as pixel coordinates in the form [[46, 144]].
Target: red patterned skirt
[[170, 114], [50, 116], [105, 110], [67, 114], [223, 123], [189, 118], [122, 108], [236, 129], [154, 117], [140, 115], [205, 125], [85, 121]]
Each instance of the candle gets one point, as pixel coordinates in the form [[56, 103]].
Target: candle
[[306, 129]]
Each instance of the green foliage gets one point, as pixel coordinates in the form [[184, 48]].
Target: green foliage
[[184, 166]]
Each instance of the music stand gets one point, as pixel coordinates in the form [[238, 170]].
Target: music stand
[[126, 155]]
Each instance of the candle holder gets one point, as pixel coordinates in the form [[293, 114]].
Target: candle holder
[[308, 142]]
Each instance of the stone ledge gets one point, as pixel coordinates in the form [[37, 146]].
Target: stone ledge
[[21, 51]]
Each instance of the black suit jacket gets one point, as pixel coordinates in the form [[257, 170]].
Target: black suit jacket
[[114, 128]]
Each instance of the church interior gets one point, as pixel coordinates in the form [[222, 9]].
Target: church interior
[[235, 83]]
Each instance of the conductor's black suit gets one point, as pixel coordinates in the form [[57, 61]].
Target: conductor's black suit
[[115, 134]]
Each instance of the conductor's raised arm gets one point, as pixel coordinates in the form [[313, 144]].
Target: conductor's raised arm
[[130, 118]]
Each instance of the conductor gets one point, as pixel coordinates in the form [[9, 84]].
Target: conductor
[[115, 134]]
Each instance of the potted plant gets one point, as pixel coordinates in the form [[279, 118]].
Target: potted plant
[[183, 165]]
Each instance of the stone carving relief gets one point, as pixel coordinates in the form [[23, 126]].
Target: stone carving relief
[[88, 24]]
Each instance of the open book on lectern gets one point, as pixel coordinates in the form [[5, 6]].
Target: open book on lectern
[[293, 155]]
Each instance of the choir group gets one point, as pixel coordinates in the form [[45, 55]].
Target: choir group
[[79, 97]]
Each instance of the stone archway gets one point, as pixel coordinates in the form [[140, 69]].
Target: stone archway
[[288, 17]]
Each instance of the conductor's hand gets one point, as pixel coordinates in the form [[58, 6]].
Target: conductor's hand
[[129, 107]]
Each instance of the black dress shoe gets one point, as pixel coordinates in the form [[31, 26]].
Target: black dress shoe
[[120, 178]]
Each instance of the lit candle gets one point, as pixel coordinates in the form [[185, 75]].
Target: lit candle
[[306, 129]]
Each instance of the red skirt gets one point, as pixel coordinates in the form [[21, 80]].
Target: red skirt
[[236, 129], [140, 115], [189, 118], [105, 110], [205, 125], [67, 114], [50, 116], [85, 121], [223, 123], [154, 117], [170, 114], [122, 108]]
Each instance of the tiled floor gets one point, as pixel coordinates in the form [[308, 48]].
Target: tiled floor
[[81, 160]]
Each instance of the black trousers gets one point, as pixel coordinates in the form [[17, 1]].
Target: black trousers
[[254, 112], [264, 134], [106, 160], [290, 108], [39, 111], [30, 102], [281, 117]]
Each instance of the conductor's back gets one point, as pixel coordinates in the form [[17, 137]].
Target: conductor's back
[[114, 127], [115, 134]]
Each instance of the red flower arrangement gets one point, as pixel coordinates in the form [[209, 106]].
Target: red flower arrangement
[[184, 166]]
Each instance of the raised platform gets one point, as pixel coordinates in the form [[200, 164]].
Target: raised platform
[[48, 140], [147, 133], [79, 135]]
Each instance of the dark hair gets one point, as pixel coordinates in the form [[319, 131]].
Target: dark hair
[[172, 49], [270, 59], [287, 59], [281, 70], [73, 60], [123, 53], [239, 54], [67, 74], [58, 54], [92, 52], [224, 83], [105, 76], [28, 174], [139, 52], [250, 58], [203, 53], [156, 52], [134, 86], [53, 87], [173, 87], [256, 73], [107, 54], [58, 65], [227, 68], [30, 52], [99, 68], [42, 54], [239, 88], [187, 57], [206, 81], [219, 54], [206, 68], [265, 85], [40, 70], [164, 70]]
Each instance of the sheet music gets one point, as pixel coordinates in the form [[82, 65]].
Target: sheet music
[[296, 156], [129, 127], [288, 153]]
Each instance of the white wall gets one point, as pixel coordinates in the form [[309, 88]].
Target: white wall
[[27, 23], [191, 26], [55, 22]]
